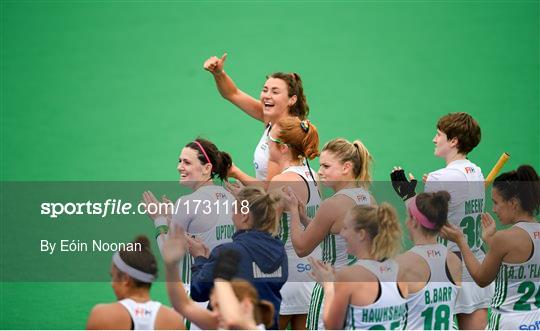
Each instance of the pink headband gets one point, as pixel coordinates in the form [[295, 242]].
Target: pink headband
[[202, 150], [415, 212]]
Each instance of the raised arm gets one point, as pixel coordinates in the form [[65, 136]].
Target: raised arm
[[230, 308], [174, 249], [306, 240], [229, 91], [483, 273]]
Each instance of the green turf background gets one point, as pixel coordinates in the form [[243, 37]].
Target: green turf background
[[97, 90]]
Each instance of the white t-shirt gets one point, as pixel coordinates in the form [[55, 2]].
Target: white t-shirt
[[465, 183], [262, 155]]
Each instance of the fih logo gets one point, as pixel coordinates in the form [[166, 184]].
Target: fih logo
[[536, 235], [141, 312], [384, 268], [361, 198], [220, 195], [433, 253], [469, 170]]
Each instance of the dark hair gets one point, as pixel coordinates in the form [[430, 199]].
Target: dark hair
[[221, 161], [435, 207], [463, 127], [522, 184], [142, 260], [300, 108]]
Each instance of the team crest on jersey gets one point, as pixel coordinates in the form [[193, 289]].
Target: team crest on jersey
[[433, 253], [384, 268], [469, 170], [141, 312], [361, 198]]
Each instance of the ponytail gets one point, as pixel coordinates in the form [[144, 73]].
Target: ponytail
[[522, 184], [262, 208], [356, 153], [382, 225], [209, 153], [264, 313], [301, 136], [434, 206]]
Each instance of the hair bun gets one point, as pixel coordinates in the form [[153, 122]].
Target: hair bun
[[526, 173], [144, 241]]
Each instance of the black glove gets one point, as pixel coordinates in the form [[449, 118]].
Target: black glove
[[227, 264], [401, 184]]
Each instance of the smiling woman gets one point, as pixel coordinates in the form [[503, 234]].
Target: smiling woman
[[199, 163], [282, 95]]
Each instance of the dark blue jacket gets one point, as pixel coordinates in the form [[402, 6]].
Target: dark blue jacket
[[263, 263]]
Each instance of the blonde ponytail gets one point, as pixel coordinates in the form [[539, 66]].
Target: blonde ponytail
[[382, 225]]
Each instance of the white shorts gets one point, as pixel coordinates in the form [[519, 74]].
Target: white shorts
[[470, 296], [295, 298], [514, 321]]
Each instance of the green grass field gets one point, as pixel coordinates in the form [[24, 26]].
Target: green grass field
[[111, 91]]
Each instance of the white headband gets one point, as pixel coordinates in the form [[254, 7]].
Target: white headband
[[130, 271]]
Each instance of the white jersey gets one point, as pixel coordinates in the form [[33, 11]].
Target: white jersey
[[205, 214], [465, 183], [143, 315], [262, 155], [432, 308], [334, 251], [516, 302], [334, 246], [389, 311], [296, 293]]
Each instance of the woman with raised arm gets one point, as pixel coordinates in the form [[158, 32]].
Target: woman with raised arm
[[282, 95], [513, 258], [132, 275], [291, 143], [432, 271], [371, 294], [345, 168]]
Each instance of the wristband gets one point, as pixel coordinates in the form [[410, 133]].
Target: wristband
[[162, 229]]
